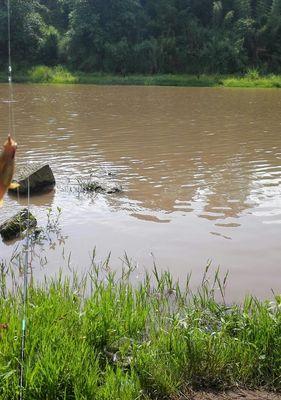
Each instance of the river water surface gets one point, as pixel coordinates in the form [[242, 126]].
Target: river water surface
[[200, 168]]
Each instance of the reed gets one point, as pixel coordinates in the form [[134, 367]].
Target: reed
[[102, 337]]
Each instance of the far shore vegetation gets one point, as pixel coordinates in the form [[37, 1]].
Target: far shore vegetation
[[62, 75], [144, 36], [135, 42]]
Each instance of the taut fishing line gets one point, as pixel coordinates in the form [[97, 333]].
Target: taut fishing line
[[12, 128], [12, 131], [24, 297]]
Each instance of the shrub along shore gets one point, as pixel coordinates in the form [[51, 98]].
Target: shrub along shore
[[59, 74], [106, 339]]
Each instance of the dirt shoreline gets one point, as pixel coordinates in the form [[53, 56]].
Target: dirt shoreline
[[230, 395]]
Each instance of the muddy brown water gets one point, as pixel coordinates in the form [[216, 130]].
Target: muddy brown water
[[200, 167]]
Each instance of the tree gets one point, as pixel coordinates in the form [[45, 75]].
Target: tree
[[148, 36], [27, 29]]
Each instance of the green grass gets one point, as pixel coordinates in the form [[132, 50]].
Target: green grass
[[253, 80], [149, 80], [148, 341], [59, 74]]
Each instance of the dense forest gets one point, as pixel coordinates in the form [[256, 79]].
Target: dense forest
[[145, 36]]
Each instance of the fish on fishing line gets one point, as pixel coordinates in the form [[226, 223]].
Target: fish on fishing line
[[7, 167]]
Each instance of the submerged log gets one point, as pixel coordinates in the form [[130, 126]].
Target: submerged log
[[40, 176], [16, 225]]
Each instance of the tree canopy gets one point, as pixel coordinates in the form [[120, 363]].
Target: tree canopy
[[145, 36]]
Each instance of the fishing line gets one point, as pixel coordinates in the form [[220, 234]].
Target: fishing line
[[12, 131], [24, 299]]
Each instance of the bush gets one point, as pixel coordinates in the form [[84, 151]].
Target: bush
[[44, 74]]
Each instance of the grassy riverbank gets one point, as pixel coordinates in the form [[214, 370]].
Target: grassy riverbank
[[147, 342], [42, 74]]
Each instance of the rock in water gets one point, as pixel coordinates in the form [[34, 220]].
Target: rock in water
[[40, 177], [13, 227], [100, 186]]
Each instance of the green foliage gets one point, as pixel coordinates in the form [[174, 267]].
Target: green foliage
[[146, 56], [62, 75], [43, 74], [49, 51], [137, 36], [26, 30], [252, 74], [253, 79], [124, 342]]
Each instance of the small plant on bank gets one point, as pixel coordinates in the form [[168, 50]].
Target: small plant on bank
[[252, 74]]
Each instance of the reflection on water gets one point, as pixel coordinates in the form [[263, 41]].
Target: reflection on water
[[201, 171]]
